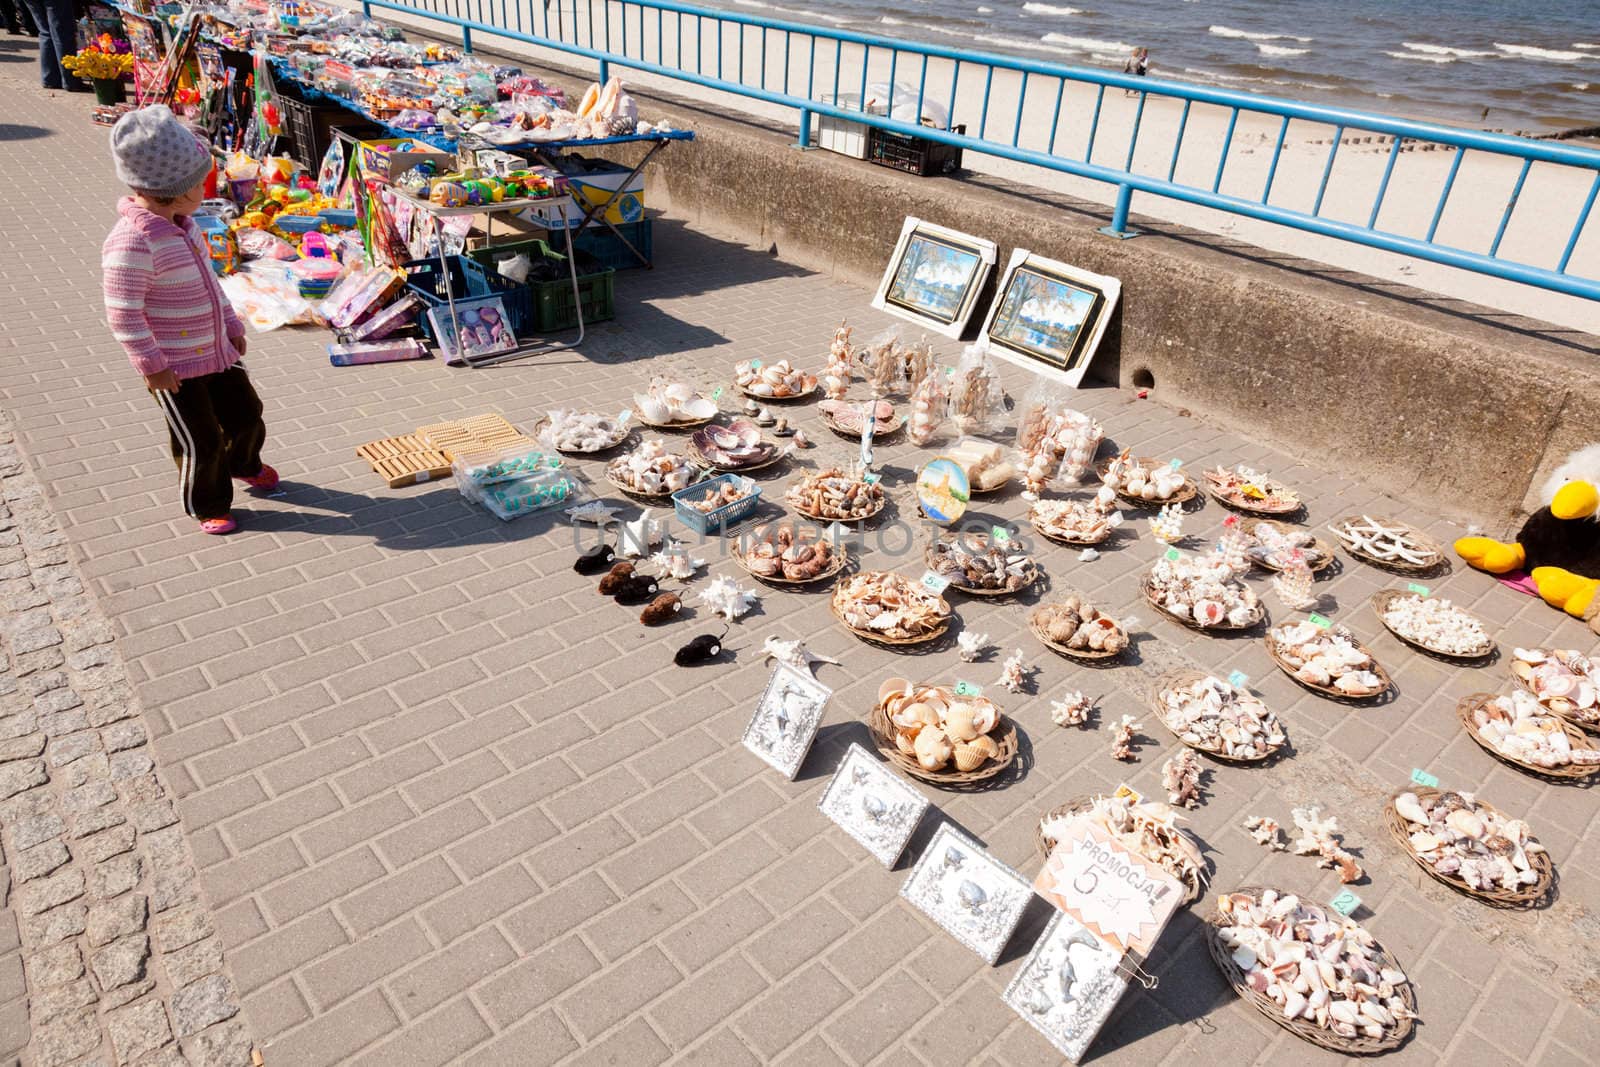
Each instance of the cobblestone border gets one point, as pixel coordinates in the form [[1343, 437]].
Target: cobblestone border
[[122, 959]]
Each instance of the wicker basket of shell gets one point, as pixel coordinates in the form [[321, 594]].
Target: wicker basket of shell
[[1388, 543], [1147, 828], [1267, 942], [932, 733], [1566, 682], [973, 564], [1327, 660], [1218, 718], [1471, 847], [1516, 728], [1077, 629]]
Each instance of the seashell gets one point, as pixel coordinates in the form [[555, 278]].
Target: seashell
[[905, 743], [651, 409], [1410, 808], [971, 895], [968, 758], [1423, 841], [985, 744], [985, 716], [892, 686], [958, 723], [1465, 822], [699, 408], [933, 748]]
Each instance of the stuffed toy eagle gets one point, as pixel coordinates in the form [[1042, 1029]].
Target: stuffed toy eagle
[[1559, 545]]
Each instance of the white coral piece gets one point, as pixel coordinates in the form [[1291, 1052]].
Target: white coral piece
[[1267, 832], [1071, 710], [1122, 733], [1180, 776], [971, 645], [675, 562], [724, 597], [1013, 675], [794, 653]]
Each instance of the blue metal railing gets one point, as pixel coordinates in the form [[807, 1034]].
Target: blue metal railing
[[645, 28]]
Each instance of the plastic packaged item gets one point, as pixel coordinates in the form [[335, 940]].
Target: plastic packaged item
[[883, 362], [929, 403], [531, 493], [398, 315], [352, 354], [266, 296], [220, 243], [358, 293], [259, 244], [315, 276], [502, 465], [1052, 438], [977, 399]]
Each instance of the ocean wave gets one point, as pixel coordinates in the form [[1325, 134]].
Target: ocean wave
[[1276, 50], [1051, 9], [1590, 47], [1421, 57], [985, 10], [1528, 51], [837, 20], [1023, 43], [1228, 31], [1086, 44], [1446, 50]]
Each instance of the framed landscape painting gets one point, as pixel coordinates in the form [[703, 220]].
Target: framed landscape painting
[[935, 276], [1049, 316]]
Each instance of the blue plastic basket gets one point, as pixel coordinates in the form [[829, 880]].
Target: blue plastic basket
[[603, 245], [702, 522], [298, 223], [468, 279], [341, 217]]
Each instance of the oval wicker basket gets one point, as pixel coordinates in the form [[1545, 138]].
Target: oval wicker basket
[[841, 560], [1248, 528], [1383, 598], [1428, 545], [873, 637], [1527, 896], [794, 398], [1186, 492], [1570, 772], [1249, 508], [1148, 590], [1062, 539], [1569, 714], [1183, 679], [540, 426], [702, 460], [975, 590], [1004, 735], [895, 427], [883, 502], [1194, 886], [1305, 1029], [1071, 653], [672, 427], [1328, 690], [651, 498]]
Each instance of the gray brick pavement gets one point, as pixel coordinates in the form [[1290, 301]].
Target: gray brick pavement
[[449, 805]]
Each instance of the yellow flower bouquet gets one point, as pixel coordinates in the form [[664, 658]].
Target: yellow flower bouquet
[[96, 65]]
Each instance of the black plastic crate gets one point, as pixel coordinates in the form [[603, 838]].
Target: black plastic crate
[[914, 155], [309, 127]]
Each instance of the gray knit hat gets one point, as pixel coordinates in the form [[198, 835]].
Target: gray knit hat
[[157, 154]]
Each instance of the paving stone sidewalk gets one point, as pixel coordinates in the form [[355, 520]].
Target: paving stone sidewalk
[[448, 805]]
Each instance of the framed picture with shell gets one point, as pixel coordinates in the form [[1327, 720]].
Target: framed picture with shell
[[873, 805], [935, 277], [786, 719], [974, 896], [1049, 316]]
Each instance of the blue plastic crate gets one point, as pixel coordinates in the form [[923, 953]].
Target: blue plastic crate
[[468, 279], [702, 522], [298, 223], [603, 245]]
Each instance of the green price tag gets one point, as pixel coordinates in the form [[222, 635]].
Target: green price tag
[[1345, 903], [1175, 464], [1424, 779], [1238, 679], [967, 689], [716, 393], [1420, 590], [872, 479], [1318, 620], [755, 364], [934, 584], [1001, 537], [1173, 554], [949, 372]]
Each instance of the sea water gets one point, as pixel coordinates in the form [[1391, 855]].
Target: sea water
[[1532, 65]]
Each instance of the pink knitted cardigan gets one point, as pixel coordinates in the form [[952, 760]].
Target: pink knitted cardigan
[[162, 299]]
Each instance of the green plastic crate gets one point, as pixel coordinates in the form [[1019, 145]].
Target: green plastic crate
[[553, 307]]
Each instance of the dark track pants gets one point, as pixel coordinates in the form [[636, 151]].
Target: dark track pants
[[215, 425]]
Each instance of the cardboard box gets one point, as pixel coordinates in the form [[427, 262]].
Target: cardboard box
[[390, 165]]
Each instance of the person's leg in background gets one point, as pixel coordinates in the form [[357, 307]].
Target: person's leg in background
[[17, 19], [58, 38]]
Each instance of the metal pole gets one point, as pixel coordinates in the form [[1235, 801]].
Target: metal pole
[[605, 71], [466, 39], [804, 143], [1119, 215]]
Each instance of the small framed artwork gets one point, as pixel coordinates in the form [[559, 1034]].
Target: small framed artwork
[[1067, 986], [1049, 316], [485, 329], [873, 805], [974, 896], [935, 276], [786, 719]]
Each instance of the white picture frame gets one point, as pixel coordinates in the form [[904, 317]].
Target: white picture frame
[[935, 276], [976, 898], [1068, 986], [1070, 309], [872, 804], [786, 719]]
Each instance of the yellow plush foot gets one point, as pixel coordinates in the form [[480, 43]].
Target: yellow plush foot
[[1487, 554], [1572, 593]]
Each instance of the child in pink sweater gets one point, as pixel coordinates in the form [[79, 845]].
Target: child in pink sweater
[[169, 313]]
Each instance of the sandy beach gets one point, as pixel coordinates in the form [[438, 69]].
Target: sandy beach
[[1551, 196]]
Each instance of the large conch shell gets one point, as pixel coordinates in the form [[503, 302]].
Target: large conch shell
[[590, 99]]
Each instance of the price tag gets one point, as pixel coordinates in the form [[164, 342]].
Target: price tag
[[999, 535], [949, 372], [872, 479], [1175, 464], [716, 393], [967, 689], [1318, 620], [1173, 554], [1345, 903], [1125, 790], [1420, 590], [934, 584], [1238, 679], [1424, 779], [755, 364]]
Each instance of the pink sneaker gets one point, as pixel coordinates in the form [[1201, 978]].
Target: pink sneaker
[[264, 480], [224, 525]]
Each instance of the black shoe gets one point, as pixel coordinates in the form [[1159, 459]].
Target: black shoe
[[79, 87]]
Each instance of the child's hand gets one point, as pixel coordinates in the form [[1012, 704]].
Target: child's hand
[[162, 381], [238, 344]]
